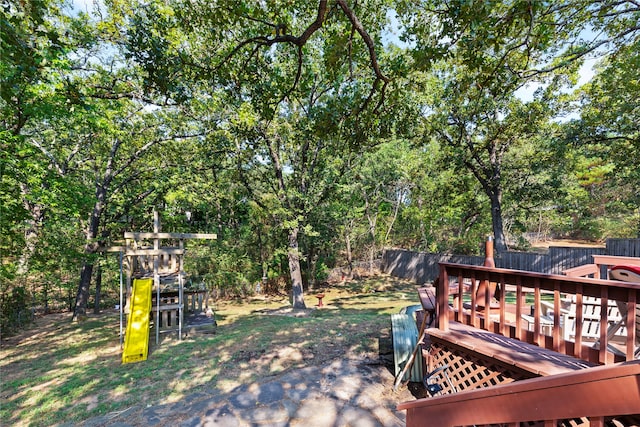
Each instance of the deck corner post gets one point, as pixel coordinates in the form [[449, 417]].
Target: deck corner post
[[443, 299]]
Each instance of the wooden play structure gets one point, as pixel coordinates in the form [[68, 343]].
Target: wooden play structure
[[160, 257]]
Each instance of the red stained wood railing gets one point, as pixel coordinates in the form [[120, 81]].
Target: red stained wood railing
[[597, 394], [460, 282]]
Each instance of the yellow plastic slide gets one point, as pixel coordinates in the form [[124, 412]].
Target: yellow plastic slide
[[136, 342]]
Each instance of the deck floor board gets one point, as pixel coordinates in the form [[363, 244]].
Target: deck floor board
[[523, 355]]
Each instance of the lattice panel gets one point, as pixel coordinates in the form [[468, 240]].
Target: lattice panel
[[468, 371]]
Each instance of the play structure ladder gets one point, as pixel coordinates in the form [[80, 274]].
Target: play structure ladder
[[136, 344]]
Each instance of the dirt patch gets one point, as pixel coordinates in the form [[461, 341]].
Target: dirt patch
[[545, 244], [64, 366], [286, 311], [43, 325]]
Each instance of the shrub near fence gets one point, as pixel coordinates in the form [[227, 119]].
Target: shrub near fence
[[359, 268], [422, 267]]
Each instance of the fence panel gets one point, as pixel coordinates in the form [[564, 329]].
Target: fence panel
[[527, 261], [422, 267], [623, 247], [402, 263], [562, 258]]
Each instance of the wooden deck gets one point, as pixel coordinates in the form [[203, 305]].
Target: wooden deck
[[529, 357], [514, 348], [589, 397]]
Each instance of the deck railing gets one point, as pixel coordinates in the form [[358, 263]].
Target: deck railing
[[598, 394], [461, 282], [595, 395]]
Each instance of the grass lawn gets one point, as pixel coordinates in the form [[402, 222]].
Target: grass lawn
[[60, 371]]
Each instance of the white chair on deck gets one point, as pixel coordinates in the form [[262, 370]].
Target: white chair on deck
[[591, 313], [626, 273]]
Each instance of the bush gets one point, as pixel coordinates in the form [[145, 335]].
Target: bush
[[15, 312]]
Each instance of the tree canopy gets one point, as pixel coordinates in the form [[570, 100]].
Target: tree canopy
[[307, 135]]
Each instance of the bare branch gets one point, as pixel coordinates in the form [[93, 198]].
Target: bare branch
[[129, 179], [302, 39], [296, 79], [110, 94], [365, 37], [146, 147], [52, 160]]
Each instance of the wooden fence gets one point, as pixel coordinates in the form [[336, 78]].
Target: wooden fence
[[422, 267], [623, 247]]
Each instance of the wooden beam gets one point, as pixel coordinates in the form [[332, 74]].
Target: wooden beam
[[598, 392], [146, 235], [511, 352], [114, 249], [152, 252], [163, 250], [615, 260], [583, 270]]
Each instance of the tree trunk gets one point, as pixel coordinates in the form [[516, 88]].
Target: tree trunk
[[496, 219], [80, 307], [373, 220], [45, 295], [400, 195], [90, 248], [96, 304], [347, 238], [32, 230], [313, 262], [372, 257], [294, 270]]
